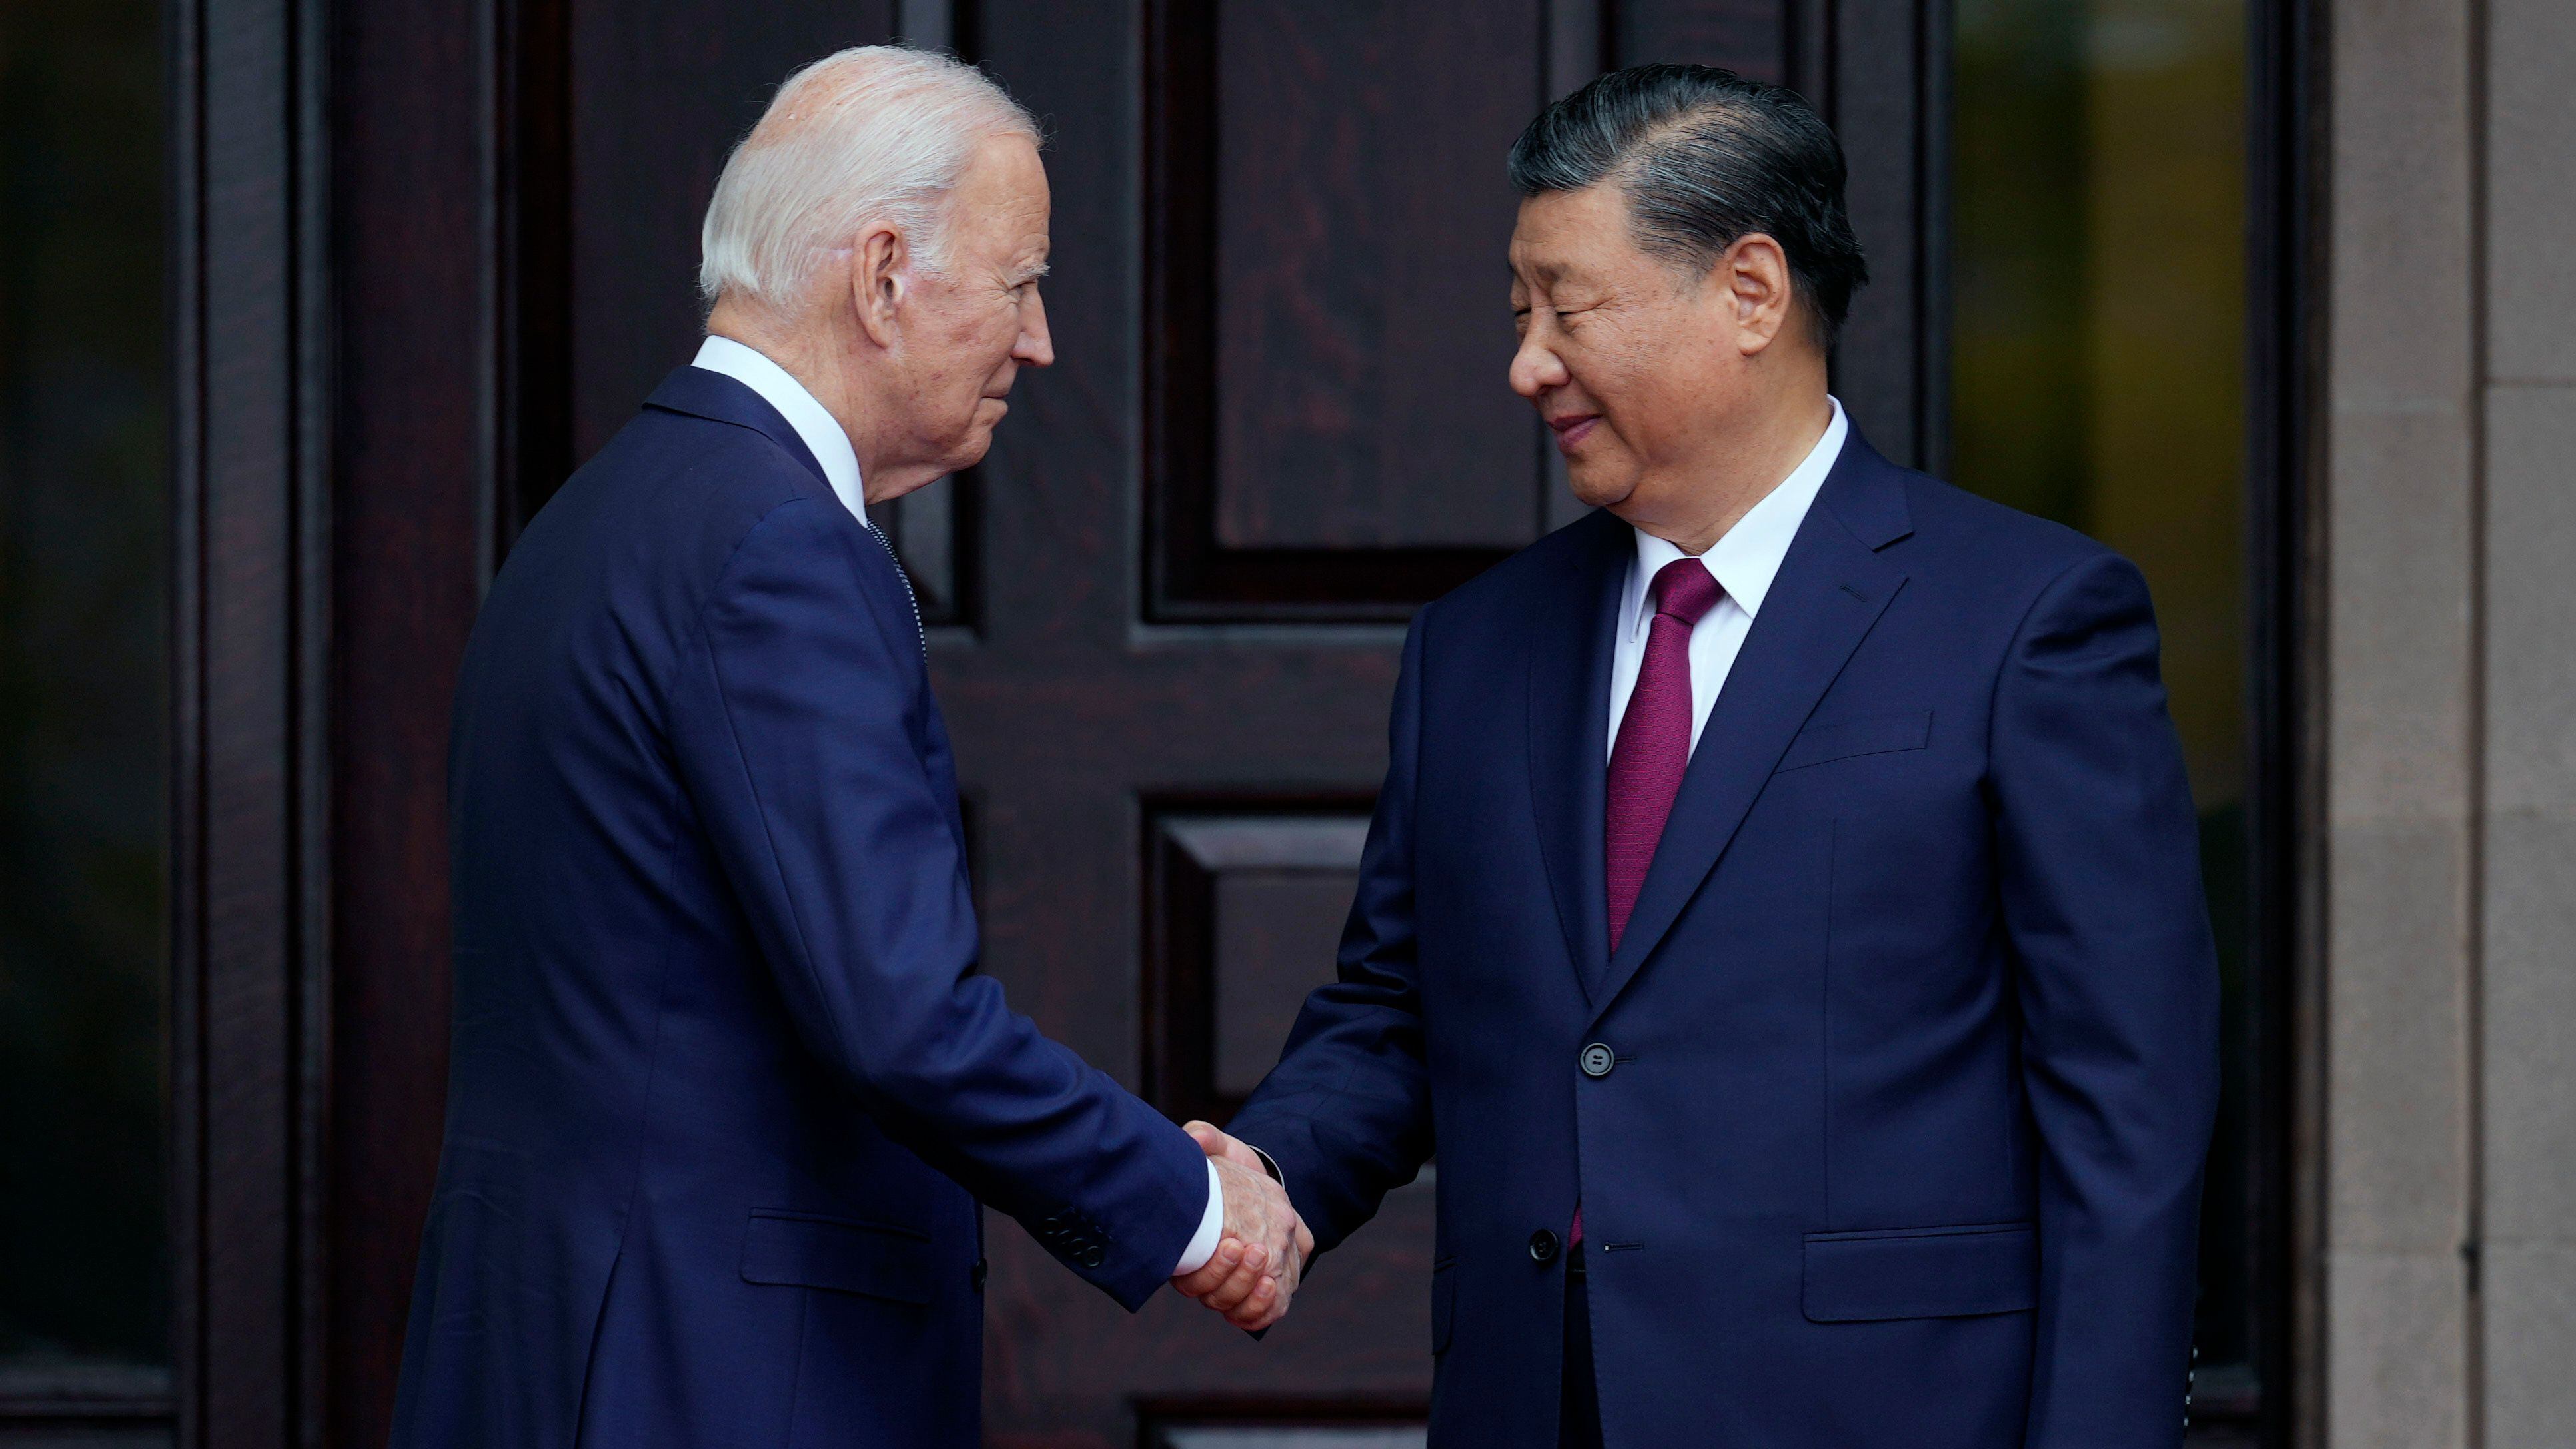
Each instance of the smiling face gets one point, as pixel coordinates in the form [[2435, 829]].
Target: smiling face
[[1641, 370], [967, 331]]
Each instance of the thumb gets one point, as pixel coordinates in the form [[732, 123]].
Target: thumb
[[1217, 1143]]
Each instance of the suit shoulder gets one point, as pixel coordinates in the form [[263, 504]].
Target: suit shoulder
[[1962, 533], [738, 469], [658, 513], [1951, 514], [688, 480]]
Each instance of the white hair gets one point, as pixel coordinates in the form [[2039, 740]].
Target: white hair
[[873, 132]]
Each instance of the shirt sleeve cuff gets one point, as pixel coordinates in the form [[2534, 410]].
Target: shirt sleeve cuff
[[1211, 1227]]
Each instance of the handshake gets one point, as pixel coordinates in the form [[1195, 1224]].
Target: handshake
[[1264, 1248]]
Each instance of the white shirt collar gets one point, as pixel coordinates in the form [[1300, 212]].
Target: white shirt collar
[[813, 423], [1748, 556]]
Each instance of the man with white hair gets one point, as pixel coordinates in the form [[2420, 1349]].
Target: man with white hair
[[726, 1088]]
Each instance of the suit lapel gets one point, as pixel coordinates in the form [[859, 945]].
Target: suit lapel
[[1831, 589], [1569, 723]]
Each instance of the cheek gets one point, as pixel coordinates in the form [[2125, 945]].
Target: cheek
[[977, 348], [1667, 386], [1626, 386]]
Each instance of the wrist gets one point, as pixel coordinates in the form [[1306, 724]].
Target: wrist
[[1202, 1244]]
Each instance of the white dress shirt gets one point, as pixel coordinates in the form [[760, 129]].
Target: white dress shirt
[[1743, 562], [813, 422], [830, 446]]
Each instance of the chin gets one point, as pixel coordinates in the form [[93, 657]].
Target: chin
[[1594, 490], [970, 452]]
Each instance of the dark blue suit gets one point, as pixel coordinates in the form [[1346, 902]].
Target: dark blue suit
[[725, 1088], [1913, 1029]]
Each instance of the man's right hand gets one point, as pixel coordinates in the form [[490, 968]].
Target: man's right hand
[[1261, 1254]]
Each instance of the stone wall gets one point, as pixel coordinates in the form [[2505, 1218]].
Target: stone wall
[[2446, 1017]]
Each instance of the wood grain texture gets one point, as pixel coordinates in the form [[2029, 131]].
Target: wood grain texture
[[1880, 76], [1244, 898], [1297, 377], [249, 825], [1749, 37], [430, 445], [1362, 331]]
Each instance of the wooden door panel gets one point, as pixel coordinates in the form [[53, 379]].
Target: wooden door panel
[[1244, 902], [1749, 37], [1326, 433], [1359, 355], [1880, 69]]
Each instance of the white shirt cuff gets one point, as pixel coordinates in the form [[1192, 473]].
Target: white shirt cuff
[[1211, 1228]]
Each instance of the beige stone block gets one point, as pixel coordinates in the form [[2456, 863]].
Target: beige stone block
[[2400, 231], [2531, 593], [2396, 1059], [2396, 1351], [2529, 1345], [2529, 1029], [2529, 886], [2399, 629], [2531, 189]]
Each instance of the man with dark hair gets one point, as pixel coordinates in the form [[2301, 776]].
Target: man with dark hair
[[1782, 910]]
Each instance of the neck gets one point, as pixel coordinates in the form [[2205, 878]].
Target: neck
[[1754, 459], [834, 367]]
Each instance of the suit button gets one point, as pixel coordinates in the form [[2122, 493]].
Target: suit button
[[1597, 1060], [1092, 1257], [1542, 1246]]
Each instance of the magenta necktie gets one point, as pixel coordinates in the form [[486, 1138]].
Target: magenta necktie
[[1653, 748], [1654, 741]]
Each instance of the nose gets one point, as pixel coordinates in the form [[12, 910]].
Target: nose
[[1536, 367], [1036, 347]]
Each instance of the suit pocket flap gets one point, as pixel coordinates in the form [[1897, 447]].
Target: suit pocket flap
[[1921, 1273], [833, 1253], [1875, 734]]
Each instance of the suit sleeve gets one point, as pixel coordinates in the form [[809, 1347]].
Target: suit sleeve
[[1346, 1114], [2100, 892], [794, 728]]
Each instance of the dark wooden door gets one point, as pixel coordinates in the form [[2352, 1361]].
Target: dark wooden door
[[457, 238]]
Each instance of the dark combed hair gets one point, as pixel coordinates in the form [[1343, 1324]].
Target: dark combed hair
[[1707, 158]]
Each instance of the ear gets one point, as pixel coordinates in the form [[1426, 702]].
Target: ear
[[880, 281], [1756, 273]]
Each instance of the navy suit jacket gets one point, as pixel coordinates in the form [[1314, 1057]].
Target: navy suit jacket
[[1915, 1022], [726, 1088]]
